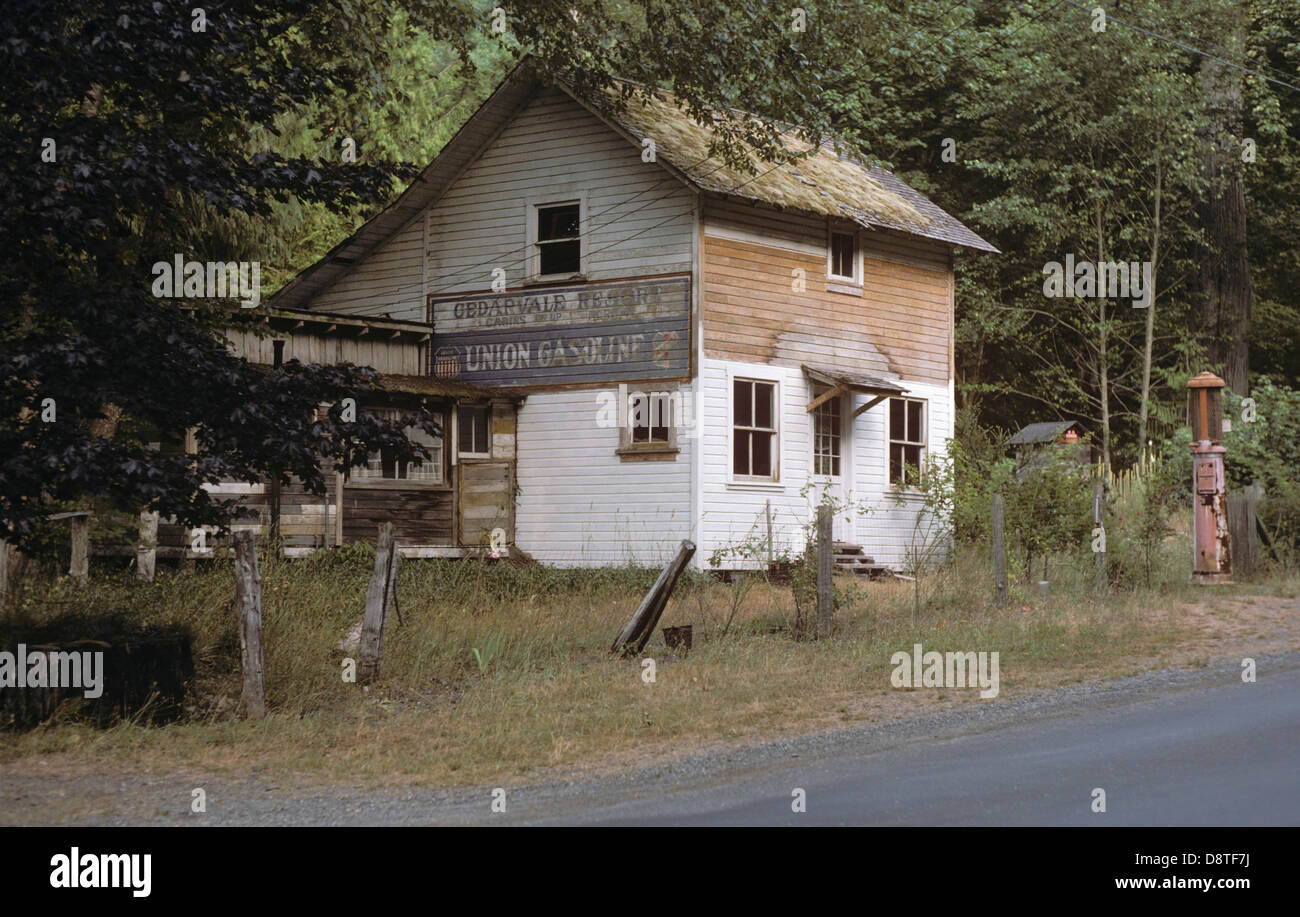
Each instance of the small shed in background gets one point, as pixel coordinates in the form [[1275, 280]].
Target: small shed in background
[[1031, 445]]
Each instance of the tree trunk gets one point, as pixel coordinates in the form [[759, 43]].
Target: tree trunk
[[1144, 412], [1225, 289], [1103, 368]]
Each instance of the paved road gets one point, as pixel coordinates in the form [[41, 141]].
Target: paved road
[[1222, 755]]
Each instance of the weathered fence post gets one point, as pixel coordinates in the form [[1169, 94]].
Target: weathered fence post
[[146, 550], [79, 567], [248, 598], [372, 628], [825, 570], [999, 550], [1099, 522], [1241, 531], [636, 634]]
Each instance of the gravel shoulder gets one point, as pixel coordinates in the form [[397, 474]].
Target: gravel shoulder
[[28, 797]]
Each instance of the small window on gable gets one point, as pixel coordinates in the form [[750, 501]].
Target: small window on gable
[[472, 437], [906, 440], [844, 256], [559, 239]]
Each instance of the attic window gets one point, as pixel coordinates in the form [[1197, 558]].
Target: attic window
[[843, 263], [559, 239]]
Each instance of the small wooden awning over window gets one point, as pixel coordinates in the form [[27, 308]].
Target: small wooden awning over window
[[839, 384]]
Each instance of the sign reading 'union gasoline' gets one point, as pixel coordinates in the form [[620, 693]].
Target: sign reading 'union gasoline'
[[595, 332]]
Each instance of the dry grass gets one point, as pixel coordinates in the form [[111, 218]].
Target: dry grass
[[548, 697]]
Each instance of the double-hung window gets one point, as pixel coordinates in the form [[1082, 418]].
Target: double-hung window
[[754, 430], [557, 239], [906, 440]]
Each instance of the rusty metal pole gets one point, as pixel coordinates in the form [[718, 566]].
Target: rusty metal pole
[[1211, 551]]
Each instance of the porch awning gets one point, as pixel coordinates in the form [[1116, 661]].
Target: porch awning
[[840, 384]]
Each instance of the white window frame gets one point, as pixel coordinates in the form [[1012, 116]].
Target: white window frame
[[487, 409], [732, 477], [832, 231], [559, 199], [373, 473], [671, 401], [890, 442]]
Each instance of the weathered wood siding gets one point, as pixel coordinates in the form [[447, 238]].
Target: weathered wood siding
[[306, 519], [639, 217], [899, 324], [389, 283], [486, 501], [378, 350], [423, 516]]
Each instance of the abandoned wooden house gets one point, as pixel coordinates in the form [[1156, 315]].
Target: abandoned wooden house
[[635, 344]]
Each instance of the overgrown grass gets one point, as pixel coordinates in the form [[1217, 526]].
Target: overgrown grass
[[542, 690]]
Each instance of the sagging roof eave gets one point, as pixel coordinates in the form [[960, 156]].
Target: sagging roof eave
[[513, 92], [980, 246]]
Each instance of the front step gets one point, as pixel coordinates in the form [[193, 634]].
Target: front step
[[849, 558]]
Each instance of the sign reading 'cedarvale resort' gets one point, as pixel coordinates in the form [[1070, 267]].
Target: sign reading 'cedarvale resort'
[[636, 329]]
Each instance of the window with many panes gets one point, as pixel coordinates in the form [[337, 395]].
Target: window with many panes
[[827, 418], [906, 440], [754, 431], [473, 439], [384, 466], [843, 256], [559, 239]]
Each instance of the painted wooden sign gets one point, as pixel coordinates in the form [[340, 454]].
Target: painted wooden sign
[[595, 332]]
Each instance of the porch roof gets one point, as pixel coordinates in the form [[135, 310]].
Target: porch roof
[[839, 383]]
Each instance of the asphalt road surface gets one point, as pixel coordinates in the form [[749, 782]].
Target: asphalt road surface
[[1222, 755]]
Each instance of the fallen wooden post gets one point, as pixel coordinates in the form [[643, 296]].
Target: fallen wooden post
[[638, 630], [377, 596], [825, 571], [248, 598]]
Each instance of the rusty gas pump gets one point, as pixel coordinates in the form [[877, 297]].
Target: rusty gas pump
[[1211, 554]]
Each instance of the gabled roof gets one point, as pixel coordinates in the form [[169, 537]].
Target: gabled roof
[[1039, 433], [825, 184]]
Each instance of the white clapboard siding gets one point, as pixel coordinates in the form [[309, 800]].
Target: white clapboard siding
[[639, 218], [388, 283], [732, 513], [579, 504], [888, 531]]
